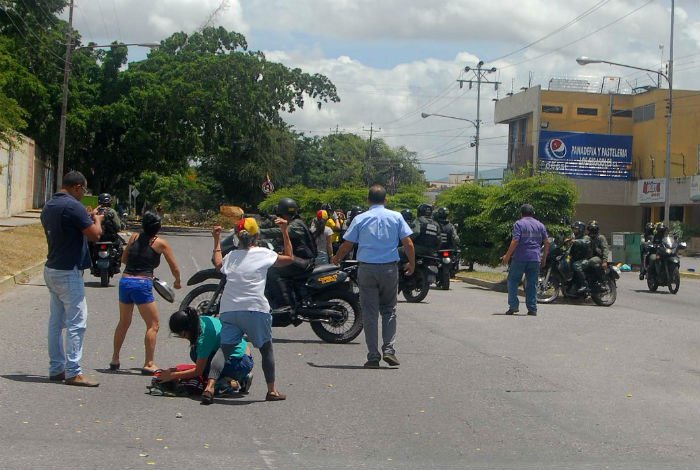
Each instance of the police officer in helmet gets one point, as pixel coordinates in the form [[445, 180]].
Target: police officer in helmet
[[448, 237], [407, 215], [111, 225], [598, 263], [645, 247], [580, 252], [426, 232]]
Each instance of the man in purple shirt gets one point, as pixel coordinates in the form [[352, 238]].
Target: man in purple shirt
[[525, 248]]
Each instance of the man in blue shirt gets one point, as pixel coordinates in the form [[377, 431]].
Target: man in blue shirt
[[68, 228], [525, 249], [378, 233]]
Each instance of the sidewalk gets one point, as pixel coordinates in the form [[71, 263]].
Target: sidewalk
[[29, 217]]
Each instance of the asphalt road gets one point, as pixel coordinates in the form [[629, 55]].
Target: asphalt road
[[578, 386]]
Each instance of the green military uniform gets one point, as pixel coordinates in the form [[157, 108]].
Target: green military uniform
[[601, 254], [580, 252]]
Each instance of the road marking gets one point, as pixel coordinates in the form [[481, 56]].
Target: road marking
[[196, 265], [266, 455]]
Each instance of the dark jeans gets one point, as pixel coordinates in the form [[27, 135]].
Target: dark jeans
[[531, 269]]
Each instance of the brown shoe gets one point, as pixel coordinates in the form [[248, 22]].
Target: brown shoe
[[60, 377], [279, 396], [81, 381]]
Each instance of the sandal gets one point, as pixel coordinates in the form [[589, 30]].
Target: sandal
[[207, 397], [278, 396], [113, 366]]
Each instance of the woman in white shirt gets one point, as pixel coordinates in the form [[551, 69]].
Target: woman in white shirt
[[244, 308], [322, 236]]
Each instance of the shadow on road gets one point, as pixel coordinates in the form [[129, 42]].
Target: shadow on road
[[297, 341], [30, 378], [647, 291], [348, 367]]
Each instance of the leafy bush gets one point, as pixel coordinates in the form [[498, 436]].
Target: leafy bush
[[187, 191], [486, 214]]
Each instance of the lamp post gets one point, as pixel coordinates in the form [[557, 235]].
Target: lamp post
[[66, 78], [476, 143], [669, 120]]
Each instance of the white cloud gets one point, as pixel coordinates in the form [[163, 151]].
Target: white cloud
[[393, 96]]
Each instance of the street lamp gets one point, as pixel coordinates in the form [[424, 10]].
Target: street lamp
[[669, 79], [66, 78], [476, 143]]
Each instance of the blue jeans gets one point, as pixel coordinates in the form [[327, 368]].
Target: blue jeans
[[68, 310], [531, 269]]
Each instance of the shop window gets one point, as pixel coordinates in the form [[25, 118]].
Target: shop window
[[627, 113], [676, 213], [587, 111], [643, 113], [546, 108]]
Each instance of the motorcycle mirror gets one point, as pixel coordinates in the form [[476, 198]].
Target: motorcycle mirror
[[682, 245]]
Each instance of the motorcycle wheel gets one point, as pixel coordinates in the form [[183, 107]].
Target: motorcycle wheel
[[652, 283], [674, 282], [606, 299], [444, 280], [342, 331], [546, 294], [199, 299], [104, 278], [420, 292]]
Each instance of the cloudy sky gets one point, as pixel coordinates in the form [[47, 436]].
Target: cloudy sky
[[392, 60]]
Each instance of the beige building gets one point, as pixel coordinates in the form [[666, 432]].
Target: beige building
[[26, 180], [613, 145]]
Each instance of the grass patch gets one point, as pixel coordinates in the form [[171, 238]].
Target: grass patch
[[484, 276], [21, 248]]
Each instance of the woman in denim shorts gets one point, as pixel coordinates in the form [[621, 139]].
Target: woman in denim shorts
[[141, 257]]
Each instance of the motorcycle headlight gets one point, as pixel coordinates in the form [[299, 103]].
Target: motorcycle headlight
[[669, 251], [103, 254]]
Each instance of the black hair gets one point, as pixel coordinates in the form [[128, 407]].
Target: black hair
[[377, 194], [245, 239], [150, 224], [186, 321], [73, 178], [526, 210], [319, 227]]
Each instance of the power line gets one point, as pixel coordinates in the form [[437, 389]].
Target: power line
[[580, 38], [594, 8]]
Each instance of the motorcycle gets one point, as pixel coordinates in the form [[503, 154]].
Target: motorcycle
[[448, 268], [664, 265], [557, 278], [416, 286], [326, 297], [106, 260]]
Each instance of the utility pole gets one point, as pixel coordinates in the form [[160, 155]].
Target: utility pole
[[64, 105], [371, 131], [479, 77]]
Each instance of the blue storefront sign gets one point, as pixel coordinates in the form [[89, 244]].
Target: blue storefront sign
[[582, 155]]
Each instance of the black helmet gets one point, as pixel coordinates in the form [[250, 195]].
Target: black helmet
[[150, 223], [425, 210], [407, 215], [442, 214], [354, 212], [660, 230], [287, 206], [649, 229], [579, 228], [593, 228], [104, 199], [326, 207]]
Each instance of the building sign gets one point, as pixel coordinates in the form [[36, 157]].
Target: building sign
[[695, 188], [650, 191], [583, 155]]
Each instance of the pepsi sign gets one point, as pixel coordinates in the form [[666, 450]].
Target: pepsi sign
[[583, 155]]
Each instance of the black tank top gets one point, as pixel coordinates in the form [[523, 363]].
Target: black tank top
[[142, 259]]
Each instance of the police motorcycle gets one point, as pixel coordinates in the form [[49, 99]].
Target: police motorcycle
[[663, 266], [326, 297], [105, 255], [557, 279]]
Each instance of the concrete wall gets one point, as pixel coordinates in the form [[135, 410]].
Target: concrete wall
[[17, 178], [611, 218]]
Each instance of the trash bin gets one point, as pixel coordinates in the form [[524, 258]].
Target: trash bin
[[625, 248]]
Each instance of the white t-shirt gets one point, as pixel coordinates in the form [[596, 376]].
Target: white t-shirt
[[321, 240], [246, 271]]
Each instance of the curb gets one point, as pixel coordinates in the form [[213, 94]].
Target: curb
[[7, 283], [689, 275]]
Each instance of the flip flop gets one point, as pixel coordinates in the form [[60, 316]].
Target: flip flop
[[207, 397], [279, 397], [113, 366], [145, 371]]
